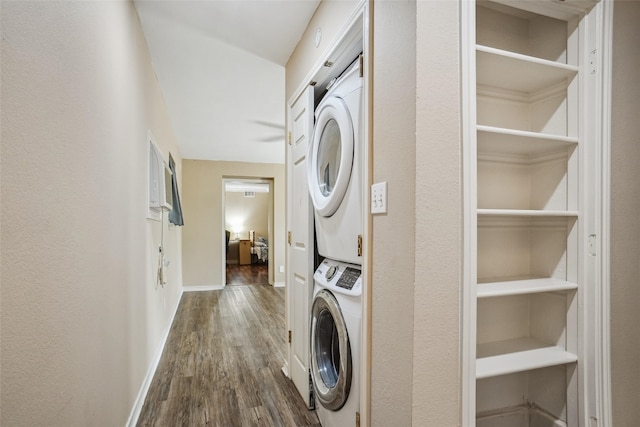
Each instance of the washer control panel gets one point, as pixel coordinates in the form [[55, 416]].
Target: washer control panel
[[348, 278], [339, 276], [331, 272]]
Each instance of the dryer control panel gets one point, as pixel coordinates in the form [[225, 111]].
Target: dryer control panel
[[339, 276]]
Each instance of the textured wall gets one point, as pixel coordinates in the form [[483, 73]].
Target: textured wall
[[625, 208], [203, 238], [81, 316], [436, 370], [394, 161]]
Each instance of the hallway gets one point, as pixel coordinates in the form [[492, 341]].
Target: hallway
[[222, 364]]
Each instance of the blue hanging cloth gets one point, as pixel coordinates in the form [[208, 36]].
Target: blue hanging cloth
[[175, 215]]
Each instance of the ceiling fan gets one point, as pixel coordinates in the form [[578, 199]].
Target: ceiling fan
[[275, 131]]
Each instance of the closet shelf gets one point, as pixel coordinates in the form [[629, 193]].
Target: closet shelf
[[519, 287], [508, 357], [565, 10], [527, 213], [512, 141], [513, 71]]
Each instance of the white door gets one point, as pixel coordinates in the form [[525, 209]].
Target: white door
[[300, 252]]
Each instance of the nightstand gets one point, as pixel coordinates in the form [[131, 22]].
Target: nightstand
[[244, 252]]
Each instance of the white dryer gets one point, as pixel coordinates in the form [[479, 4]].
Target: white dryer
[[334, 169], [336, 316]]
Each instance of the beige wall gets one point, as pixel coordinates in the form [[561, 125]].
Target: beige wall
[[394, 161], [438, 248], [203, 238], [81, 315], [625, 215], [251, 212]]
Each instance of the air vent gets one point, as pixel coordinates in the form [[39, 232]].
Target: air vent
[[249, 194]]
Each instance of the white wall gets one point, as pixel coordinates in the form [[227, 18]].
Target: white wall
[[625, 212], [203, 77], [81, 315]]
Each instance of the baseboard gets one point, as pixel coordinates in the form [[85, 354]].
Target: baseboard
[[202, 288], [285, 369], [278, 284], [144, 389]]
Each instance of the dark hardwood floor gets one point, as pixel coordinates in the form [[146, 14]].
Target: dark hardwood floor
[[222, 364], [252, 274]]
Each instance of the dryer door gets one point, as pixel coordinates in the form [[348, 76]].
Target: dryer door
[[330, 157], [330, 352]]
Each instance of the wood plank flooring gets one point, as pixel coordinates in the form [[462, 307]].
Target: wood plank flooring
[[253, 274], [222, 363]]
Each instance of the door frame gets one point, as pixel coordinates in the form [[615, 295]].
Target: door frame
[[355, 30], [270, 219]]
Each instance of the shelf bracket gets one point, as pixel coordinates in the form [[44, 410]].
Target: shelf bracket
[[592, 245], [593, 61]]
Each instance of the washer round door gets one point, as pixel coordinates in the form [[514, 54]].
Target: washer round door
[[330, 352], [330, 157]]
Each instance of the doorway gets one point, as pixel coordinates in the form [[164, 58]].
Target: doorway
[[248, 230]]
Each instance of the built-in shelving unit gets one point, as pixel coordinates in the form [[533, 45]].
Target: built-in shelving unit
[[530, 134]]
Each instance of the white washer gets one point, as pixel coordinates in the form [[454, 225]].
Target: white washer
[[334, 169], [336, 317]]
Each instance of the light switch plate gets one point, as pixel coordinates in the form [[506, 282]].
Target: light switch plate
[[379, 198]]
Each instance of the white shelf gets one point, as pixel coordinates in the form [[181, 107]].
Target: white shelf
[[565, 10], [527, 213], [513, 71], [508, 357], [512, 141], [519, 287]]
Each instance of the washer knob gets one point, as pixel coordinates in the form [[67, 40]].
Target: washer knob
[[331, 272]]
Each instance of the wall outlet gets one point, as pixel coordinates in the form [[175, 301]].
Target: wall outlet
[[282, 269], [379, 198]]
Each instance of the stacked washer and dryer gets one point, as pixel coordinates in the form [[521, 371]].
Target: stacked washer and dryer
[[335, 185]]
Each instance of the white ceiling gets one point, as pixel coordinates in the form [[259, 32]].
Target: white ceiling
[[220, 64]]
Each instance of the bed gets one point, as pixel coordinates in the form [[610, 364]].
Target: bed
[[259, 248]]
